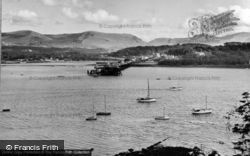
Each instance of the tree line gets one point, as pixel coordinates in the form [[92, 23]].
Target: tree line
[[233, 53]]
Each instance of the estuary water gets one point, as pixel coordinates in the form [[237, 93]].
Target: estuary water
[[52, 101]]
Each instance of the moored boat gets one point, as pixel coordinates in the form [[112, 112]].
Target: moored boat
[[105, 113], [175, 88], [163, 117], [93, 117], [6, 110], [147, 99], [201, 111]]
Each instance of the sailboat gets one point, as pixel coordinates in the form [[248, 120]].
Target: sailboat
[[147, 99], [163, 117], [105, 113], [202, 111], [93, 117], [4, 109]]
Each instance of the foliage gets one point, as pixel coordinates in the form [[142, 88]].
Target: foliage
[[243, 128], [15, 53], [229, 54]]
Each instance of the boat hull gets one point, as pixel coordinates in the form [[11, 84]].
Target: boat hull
[[162, 118], [103, 113], [6, 110], [91, 119], [175, 88], [146, 100], [202, 112]]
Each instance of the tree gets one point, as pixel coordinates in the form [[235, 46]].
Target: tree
[[243, 128]]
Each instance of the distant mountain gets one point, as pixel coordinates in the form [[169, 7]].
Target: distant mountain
[[238, 37], [107, 41], [89, 40]]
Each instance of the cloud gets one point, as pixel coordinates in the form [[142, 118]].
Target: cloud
[[22, 17], [154, 21], [99, 16], [49, 2], [242, 13], [82, 3], [69, 3], [58, 22], [69, 13]]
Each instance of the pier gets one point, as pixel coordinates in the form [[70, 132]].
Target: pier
[[109, 68], [115, 68]]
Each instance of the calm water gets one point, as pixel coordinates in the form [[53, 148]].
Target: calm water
[[45, 106]]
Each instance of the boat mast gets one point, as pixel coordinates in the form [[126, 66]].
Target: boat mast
[[0, 42], [93, 111], [148, 89], [206, 101], [105, 102]]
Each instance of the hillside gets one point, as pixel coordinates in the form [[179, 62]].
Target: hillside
[[87, 40], [108, 41], [238, 37]]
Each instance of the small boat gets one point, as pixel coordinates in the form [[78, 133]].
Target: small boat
[[163, 117], [202, 111], [92, 118], [147, 99], [175, 88], [5, 110], [105, 113]]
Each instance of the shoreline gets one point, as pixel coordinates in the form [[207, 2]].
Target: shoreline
[[74, 63], [193, 66]]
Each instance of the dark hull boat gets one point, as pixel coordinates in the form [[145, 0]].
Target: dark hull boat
[[105, 113], [5, 110], [92, 118]]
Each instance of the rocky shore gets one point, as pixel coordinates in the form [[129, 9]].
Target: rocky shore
[[158, 149]]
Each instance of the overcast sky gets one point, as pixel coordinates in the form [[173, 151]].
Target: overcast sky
[[147, 19]]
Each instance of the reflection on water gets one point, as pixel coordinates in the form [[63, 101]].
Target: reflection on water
[[52, 102]]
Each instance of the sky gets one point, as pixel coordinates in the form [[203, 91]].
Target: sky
[[147, 19]]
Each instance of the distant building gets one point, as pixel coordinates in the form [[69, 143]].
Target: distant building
[[200, 53], [171, 57]]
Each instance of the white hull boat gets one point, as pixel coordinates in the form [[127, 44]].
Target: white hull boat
[[163, 117], [175, 88], [147, 99], [202, 111]]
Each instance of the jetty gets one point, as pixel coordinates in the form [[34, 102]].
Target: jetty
[[115, 68], [111, 68]]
